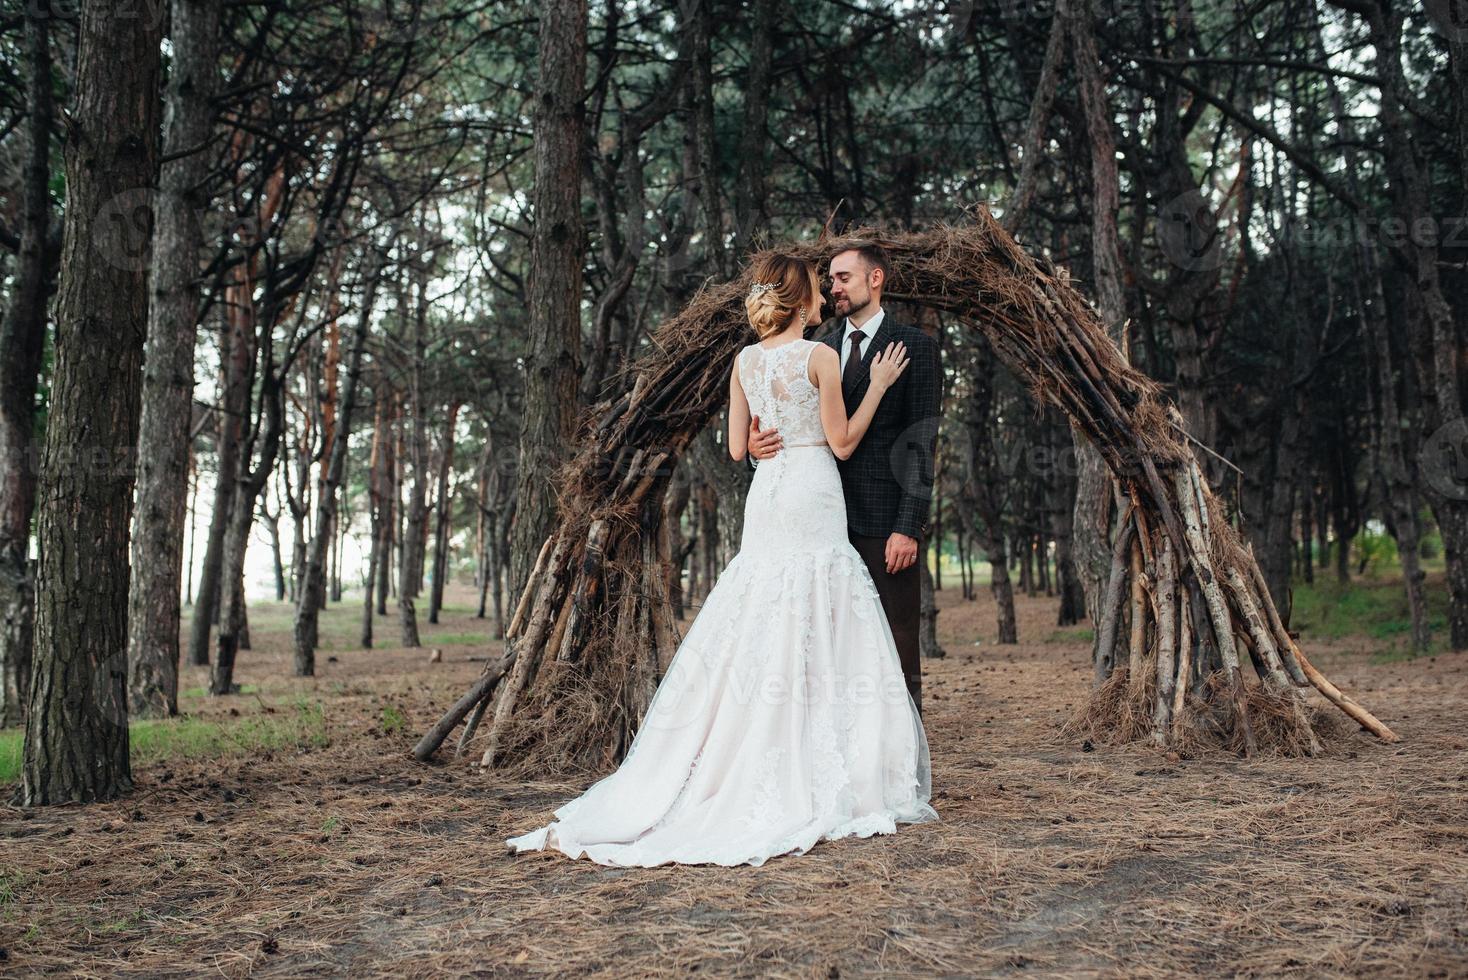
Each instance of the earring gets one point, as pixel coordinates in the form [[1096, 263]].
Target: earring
[[804, 314]]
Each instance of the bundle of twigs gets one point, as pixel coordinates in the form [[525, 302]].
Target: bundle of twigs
[[594, 623]]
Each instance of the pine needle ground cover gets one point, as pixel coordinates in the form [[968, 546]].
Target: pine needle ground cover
[[340, 854]]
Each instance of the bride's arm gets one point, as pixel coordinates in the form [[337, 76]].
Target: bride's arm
[[842, 433], [738, 416]]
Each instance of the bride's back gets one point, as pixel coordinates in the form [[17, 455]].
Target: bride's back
[[776, 380], [795, 502]]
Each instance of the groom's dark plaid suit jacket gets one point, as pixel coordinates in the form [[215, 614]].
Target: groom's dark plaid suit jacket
[[889, 478]]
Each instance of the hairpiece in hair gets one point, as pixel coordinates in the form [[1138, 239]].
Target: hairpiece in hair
[[759, 288]]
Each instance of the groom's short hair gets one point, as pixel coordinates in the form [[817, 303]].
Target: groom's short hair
[[875, 257]]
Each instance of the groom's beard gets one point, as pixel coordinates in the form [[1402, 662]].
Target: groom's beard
[[852, 308]]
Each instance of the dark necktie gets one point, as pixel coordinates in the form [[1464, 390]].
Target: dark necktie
[[853, 360]]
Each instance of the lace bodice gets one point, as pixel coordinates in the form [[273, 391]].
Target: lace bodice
[[777, 383]]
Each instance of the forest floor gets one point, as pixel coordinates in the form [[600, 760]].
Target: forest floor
[[288, 832]]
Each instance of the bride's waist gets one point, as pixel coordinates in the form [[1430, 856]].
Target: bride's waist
[[814, 463]]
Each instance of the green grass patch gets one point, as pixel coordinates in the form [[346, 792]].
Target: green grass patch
[[12, 745], [10, 886], [300, 725], [1072, 634], [1370, 608], [1392, 655], [393, 720], [203, 692], [455, 639], [130, 921]]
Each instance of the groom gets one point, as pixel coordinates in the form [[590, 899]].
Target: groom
[[889, 478]]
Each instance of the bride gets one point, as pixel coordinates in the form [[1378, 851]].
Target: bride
[[783, 718]]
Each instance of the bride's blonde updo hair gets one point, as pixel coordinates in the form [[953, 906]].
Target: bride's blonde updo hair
[[779, 288]]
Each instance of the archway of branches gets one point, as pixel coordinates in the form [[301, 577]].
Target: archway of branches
[[594, 622]]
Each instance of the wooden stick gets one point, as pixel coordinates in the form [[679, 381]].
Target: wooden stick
[[471, 726], [532, 645], [1138, 638], [1169, 516], [1343, 701], [558, 634], [477, 694], [1111, 606], [1275, 675], [531, 584], [1194, 521], [1185, 655], [1281, 634], [592, 570], [1166, 595]]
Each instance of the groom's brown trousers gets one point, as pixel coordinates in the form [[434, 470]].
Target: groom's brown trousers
[[902, 601]]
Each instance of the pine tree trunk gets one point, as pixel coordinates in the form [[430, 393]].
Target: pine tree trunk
[[229, 434], [1092, 516], [277, 559], [76, 738], [1449, 498], [298, 499], [168, 377], [343, 524], [750, 195], [498, 567], [415, 512], [249, 343], [237, 350], [389, 515], [484, 511], [552, 366], [1402, 500], [1026, 559], [928, 614], [22, 343], [193, 521], [376, 499], [985, 487], [938, 513], [441, 517], [679, 493], [308, 604]]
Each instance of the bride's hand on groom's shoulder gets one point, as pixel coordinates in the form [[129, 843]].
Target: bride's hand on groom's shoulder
[[889, 364]]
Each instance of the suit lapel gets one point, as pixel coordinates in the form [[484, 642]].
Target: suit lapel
[[833, 338]]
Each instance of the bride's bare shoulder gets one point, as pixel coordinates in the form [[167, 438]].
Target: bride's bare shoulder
[[823, 352], [745, 354], [823, 360]]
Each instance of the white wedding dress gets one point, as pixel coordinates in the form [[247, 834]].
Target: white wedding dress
[[783, 718]]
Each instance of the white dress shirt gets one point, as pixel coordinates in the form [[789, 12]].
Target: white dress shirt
[[868, 329]]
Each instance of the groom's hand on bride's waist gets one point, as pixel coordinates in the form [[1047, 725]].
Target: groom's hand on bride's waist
[[763, 443]]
